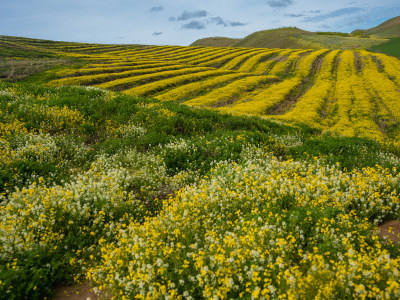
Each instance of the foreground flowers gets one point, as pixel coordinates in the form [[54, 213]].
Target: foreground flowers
[[152, 199], [261, 229]]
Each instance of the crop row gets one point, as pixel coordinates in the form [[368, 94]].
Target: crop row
[[127, 82], [261, 101], [105, 77]]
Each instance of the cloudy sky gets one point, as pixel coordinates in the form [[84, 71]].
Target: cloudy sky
[[180, 22]]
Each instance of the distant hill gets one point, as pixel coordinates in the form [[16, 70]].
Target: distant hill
[[292, 38], [216, 42], [387, 29], [274, 38]]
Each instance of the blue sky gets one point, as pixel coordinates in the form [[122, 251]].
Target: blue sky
[[180, 22]]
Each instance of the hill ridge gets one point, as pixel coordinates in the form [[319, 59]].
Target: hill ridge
[[295, 38]]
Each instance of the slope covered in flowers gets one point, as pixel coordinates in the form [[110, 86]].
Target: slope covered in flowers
[[153, 199]]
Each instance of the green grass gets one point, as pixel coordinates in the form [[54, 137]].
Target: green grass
[[390, 48]]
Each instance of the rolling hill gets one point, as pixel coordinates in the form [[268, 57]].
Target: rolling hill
[[215, 42], [273, 38], [295, 38]]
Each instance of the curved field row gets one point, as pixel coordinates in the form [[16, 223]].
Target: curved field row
[[234, 63], [182, 57], [220, 61], [187, 55], [100, 78], [181, 53], [119, 63], [384, 88], [129, 82], [114, 69], [265, 64], [308, 109], [215, 54], [287, 65], [355, 109], [391, 66], [154, 87], [96, 49], [230, 93], [156, 55], [262, 101], [171, 52], [187, 91], [251, 63]]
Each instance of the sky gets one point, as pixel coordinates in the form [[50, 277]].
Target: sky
[[181, 22]]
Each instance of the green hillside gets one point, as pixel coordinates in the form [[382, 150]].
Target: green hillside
[[215, 42], [387, 29], [273, 38]]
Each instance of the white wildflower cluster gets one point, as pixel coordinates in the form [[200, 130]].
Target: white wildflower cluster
[[260, 229], [88, 205], [39, 147], [130, 131], [288, 140]]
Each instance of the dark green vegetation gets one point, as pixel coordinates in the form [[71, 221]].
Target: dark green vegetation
[[390, 48], [332, 33]]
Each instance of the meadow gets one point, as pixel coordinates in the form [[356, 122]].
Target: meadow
[[200, 173]]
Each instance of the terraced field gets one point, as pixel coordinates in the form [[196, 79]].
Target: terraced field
[[350, 92]]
